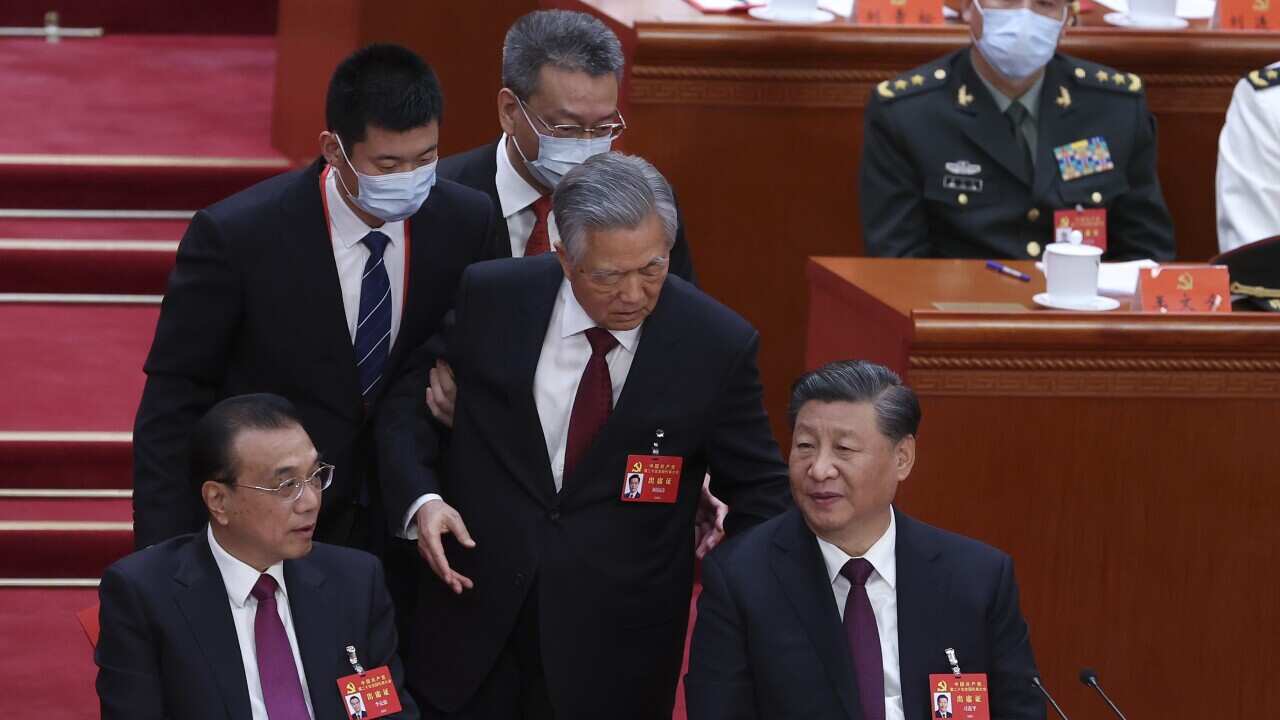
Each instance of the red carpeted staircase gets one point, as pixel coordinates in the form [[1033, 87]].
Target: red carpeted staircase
[[106, 148]]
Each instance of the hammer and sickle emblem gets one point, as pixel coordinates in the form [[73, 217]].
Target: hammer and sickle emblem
[[1185, 281], [942, 686], [637, 467], [351, 687]]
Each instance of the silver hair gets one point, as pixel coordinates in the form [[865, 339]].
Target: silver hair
[[611, 190], [564, 39]]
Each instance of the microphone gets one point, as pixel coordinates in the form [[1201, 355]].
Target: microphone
[[1089, 677], [1035, 680]]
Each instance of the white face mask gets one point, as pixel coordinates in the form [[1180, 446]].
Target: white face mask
[[1018, 42], [391, 197], [557, 156]]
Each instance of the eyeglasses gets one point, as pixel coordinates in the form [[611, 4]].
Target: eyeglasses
[[610, 130], [290, 489], [611, 278]]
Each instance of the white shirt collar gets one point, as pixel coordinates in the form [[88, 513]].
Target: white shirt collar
[[575, 320], [348, 228], [238, 577], [514, 192], [881, 555]]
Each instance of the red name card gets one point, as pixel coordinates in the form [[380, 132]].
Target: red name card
[[1249, 14], [902, 12], [1184, 288], [1092, 225]]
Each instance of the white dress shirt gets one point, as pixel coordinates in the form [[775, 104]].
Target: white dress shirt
[[239, 579], [346, 230], [882, 592], [516, 197], [565, 352], [1248, 179]]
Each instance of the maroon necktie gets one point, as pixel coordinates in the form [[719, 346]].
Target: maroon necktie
[[539, 239], [281, 689], [864, 639], [594, 401]]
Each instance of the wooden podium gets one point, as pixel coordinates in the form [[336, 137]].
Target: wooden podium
[[1128, 462]]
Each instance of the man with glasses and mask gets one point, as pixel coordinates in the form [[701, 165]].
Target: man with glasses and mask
[[558, 106], [247, 617], [979, 153], [553, 594], [314, 285]]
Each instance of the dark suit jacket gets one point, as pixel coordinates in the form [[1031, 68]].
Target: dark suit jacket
[[477, 168], [769, 642], [912, 204], [254, 305], [168, 647], [595, 558]]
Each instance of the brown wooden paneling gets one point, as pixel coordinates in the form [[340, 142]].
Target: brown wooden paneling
[[461, 41], [1124, 460]]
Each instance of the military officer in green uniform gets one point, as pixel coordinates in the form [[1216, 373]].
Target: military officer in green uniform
[[970, 156]]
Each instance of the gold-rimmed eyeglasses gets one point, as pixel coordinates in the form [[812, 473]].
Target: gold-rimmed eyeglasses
[[578, 132], [290, 489]]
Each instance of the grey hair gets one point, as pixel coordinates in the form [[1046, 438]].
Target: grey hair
[[574, 41], [611, 190], [855, 381]]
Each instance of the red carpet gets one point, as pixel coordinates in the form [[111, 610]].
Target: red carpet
[[87, 256], [48, 666], [96, 229], [63, 538], [135, 121], [242, 17]]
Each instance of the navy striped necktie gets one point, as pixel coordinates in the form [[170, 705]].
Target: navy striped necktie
[[373, 326]]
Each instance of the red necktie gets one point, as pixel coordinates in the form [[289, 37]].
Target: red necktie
[[864, 639], [539, 239], [594, 401]]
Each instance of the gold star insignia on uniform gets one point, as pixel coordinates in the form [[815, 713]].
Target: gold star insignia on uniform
[[917, 80], [940, 74], [1118, 78], [1064, 97], [1272, 74], [1101, 75], [963, 97], [1080, 73], [899, 84]]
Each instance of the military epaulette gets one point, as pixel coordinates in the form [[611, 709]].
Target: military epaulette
[[1267, 77], [912, 82], [1105, 78]]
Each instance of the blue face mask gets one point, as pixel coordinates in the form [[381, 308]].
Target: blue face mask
[[1018, 42], [557, 156], [391, 197]]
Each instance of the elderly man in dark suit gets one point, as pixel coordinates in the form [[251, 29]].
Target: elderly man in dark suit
[[315, 285], [247, 618], [553, 595], [843, 607]]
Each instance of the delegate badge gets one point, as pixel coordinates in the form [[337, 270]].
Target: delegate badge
[[963, 697], [1083, 157], [652, 478], [1092, 225], [369, 695]]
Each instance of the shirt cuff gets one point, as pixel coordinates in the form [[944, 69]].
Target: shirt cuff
[[409, 529]]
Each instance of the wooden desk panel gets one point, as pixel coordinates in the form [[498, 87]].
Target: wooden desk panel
[[1126, 461]]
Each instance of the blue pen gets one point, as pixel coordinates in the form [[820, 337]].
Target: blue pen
[[1006, 270]]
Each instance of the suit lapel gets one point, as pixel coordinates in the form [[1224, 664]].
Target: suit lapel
[[982, 121], [314, 610], [202, 598], [922, 588], [797, 562], [1057, 110], [526, 348], [502, 236], [319, 290]]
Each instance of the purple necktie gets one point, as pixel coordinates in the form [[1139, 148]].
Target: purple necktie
[[281, 689], [864, 639]]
